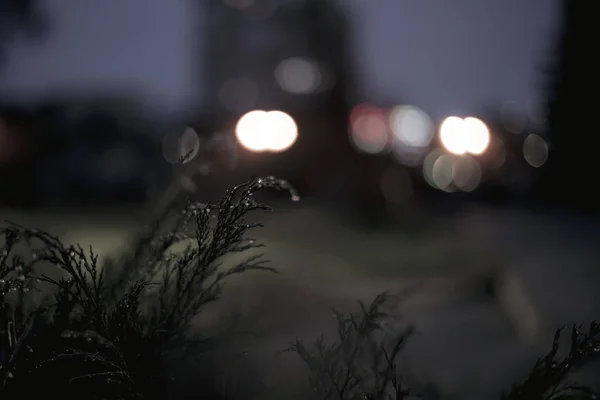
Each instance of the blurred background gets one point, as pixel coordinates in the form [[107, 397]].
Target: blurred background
[[442, 141]]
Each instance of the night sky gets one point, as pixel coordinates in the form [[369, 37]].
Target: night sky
[[446, 56]]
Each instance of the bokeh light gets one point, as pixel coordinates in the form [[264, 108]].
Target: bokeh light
[[437, 169], [466, 173], [299, 76], [260, 131], [412, 131], [461, 136], [442, 172], [449, 172], [286, 131], [478, 135], [369, 129], [453, 136], [535, 150], [181, 146], [411, 126]]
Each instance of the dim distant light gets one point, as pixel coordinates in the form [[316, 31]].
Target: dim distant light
[[369, 131], [298, 76], [261, 131], [535, 150]]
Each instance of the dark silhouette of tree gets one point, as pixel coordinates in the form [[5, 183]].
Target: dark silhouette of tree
[[571, 102]]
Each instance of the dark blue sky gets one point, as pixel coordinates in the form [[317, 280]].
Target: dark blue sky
[[446, 56]]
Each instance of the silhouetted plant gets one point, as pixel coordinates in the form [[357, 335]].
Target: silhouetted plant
[[106, 329], [75, 327], [548, 379], [360, 365]]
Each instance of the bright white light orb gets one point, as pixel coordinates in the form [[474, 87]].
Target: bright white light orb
[[478, 135], [261, 131], [453, 135], [286, 131], [461, 136]]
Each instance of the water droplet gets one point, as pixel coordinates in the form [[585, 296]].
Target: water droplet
[[34, 256], [72, 253], [4, 252]]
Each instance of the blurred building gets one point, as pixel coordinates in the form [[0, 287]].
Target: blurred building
[[293, 56]]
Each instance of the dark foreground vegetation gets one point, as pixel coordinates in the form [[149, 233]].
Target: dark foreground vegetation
[[75, 327]]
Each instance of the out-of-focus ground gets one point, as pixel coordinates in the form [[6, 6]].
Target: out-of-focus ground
[[485, 288]]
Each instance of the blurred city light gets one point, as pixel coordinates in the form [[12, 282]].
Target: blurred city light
[[431, 177], [260, 131], [453, 136], [466, 173], [369, 129], [181, 146], [412, 132], [461, 136], [449, 172], [411, 126], [442, 171], [535, 150], [478, 135], [299, 76]]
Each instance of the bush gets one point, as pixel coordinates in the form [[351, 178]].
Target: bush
[[74, 327], [77, 328], [362, 363]]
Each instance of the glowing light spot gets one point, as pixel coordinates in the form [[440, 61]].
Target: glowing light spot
[[478, 135], [535, 150], [442, 172], [261, 130], [181, 146], [286, 131], [368, 129], [453, 135], [461, 136], [298, 76], [411, 126], [466, 173]]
